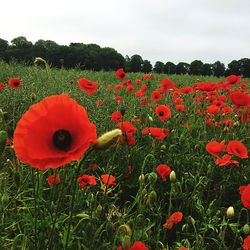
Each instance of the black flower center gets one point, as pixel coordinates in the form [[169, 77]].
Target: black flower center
[[62, 139], [122, 75], [161, 113], [16, 84]]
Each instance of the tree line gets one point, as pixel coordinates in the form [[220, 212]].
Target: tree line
[[93, 57]]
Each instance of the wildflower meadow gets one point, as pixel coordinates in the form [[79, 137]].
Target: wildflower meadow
[[115, 160]]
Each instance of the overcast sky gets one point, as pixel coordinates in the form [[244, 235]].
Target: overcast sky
[[158, 30]]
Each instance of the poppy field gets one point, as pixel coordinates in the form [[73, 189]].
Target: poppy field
[[116, 160]]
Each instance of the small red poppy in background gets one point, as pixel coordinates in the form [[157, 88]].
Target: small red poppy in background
[[226, 110], [163, 170], [233, 79], [156, 96], [117, 87], [53, 133], [118, 99], [85, 179], [215, 147], [246, 244], [2, 86], [93, 166], [180, 107], [99, 103], [138, 82], [239, 99], [143, 101], [226, 161], [129, 171], [8, 142], [120, 74], [245, 195], [130, 89], [108, 179], [237, 148], [145, 77], [87, 86], [183, 248], [152, 77], [136, 246], [127, 133], [52, 180], [158, 133], [163, 112], [213, 109], [174, 218], [185, 90], [116, 116], [14, 83]]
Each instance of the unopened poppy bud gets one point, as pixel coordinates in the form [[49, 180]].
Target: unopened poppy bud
[[152, 197], [107, 139], [83, 215], [5, 199], [33, 97], [150, 118], [141, 178], [152, 178], [246, 229], [230, 212], [126, 242], [3, 140], [191, 220], [172, 176], [39, 60], [163, 147], [144, 193], [125, 229], [99, 210]]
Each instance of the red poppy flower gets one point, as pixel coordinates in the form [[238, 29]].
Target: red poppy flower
[[183, 248], [213, 109], [163, 112], [118, 99], [85, 179], [136, 246], [129, 82], [145, 77], [8, 142], [215, 148], [108, 179], [117, 87], [14, 83], [2, 86], [245, 197], [163, 171], [152, 77], [156, 96], [130, 89], [226, 160], [239, 99], [99, 103], [144, 88], [52, 180], [180, 107], [138, 82], [127, 133], [116, 116], [128, 139], [185, 90], [233, 79], [129, 171], [93, 166], [174, 218], [127, 127], [178, 101], [120, 74], [237, 148], [166, 84], [246, 244], [207, 86], [143, 101], [53, 133], [158, 133], [87, 86], [226, 110]]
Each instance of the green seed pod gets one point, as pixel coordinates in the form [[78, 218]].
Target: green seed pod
[[99, 210], [3, 140], [246, 229]]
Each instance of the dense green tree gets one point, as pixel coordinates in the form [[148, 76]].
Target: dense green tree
[[206, 69], [233, 68], [195, 67], [169, 68], [159, 67], [136, 63], [21, 42], [244, 67], [182, 68], [218, 69], [146, 66], [3, 47]]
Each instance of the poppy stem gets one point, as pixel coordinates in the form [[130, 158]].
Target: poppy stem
[[73, 197], [35, 205]]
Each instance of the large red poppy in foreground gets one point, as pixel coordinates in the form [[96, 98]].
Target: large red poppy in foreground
[[53, 133]]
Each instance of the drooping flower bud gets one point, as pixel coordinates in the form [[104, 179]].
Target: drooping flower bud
[[125, 229], [107, 139], [141, 178], [246, 229], [39, 60]]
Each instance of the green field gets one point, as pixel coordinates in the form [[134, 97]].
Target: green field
[[36, 215]]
